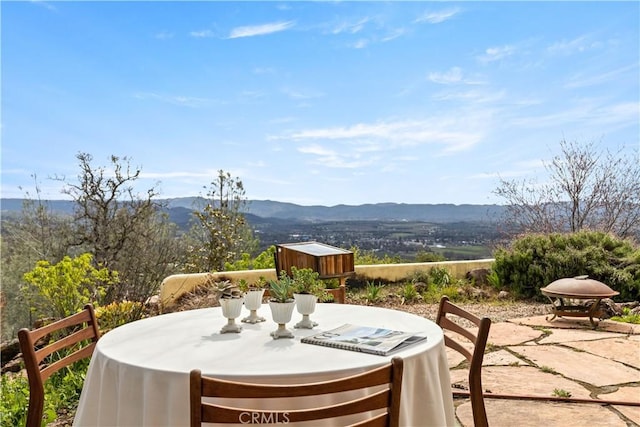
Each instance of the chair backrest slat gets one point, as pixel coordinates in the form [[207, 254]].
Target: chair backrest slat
[[223, 388], [66, 342], [475, 357], [78, 335], [224, 414], [389, 377]]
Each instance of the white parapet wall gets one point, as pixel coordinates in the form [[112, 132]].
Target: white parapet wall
[[173, 287]]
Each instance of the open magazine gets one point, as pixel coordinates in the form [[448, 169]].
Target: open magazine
[[366, 339]]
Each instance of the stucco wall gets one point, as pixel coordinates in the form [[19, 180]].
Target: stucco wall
[[173, 287]]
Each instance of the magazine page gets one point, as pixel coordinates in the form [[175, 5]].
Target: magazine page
[[364, 338]]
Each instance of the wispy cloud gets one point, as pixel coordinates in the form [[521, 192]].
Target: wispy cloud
[[282, 120], [477, 96], [360, 44], [393, 34], [454, 75], [585, 113], [439, 16], [260, 30], [44, 4], [164, 35], [301, 94], [349, 27], [576, 45], [252, 94], [178, 174], [202, 34], [496, 53], [581, 80], [183, 101], [440, 131], [333, 159]]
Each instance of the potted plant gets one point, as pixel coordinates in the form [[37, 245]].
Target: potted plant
[[254, 293], [307, 289], [282, 304], [231, 299]]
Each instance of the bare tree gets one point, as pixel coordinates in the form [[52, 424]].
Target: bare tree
[[125, 231], [38, 233], [587, 188], [220, 233]]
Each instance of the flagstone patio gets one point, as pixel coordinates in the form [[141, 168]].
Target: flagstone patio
[[534, 357]]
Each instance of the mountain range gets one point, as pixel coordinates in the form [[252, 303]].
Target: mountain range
[[436, 213]]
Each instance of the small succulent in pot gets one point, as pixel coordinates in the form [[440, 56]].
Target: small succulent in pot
[[227, 290], [306, 281], [257, 285], [281, 290]]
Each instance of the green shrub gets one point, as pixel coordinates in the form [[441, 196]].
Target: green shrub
[[440, 276], [15, 400], [535, 260], [372, 292], [62, 392], [419, 276], [434, 294], [264, 260], [424, 256], [116, 314], [363, 257], [409, 293], [494, 280], [68, 285], [627, 317]]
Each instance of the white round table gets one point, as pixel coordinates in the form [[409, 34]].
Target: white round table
[[139, 372]]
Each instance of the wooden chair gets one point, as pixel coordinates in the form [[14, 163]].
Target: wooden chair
[[388, 399], [479, 341], [68, 334]]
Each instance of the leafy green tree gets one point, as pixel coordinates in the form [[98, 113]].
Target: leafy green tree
[[264, 260], [587, 189], [69, 284], [220, 233], [364, 257]]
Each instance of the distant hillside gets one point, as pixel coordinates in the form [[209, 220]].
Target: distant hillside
[[440, 213]]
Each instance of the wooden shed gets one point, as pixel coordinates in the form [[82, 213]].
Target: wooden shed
[[328, 261]]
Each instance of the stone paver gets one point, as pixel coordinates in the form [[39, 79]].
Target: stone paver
[[566, 335], [506, 333], [578, 323], [454, 358], [523, 380], [626, 394], [578, 365], [527, 413], [619, 349], [501, 358]]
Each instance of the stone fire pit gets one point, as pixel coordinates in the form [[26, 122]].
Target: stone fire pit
[[577, 288]]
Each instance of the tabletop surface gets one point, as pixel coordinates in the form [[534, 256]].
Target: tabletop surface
[[182, 341]]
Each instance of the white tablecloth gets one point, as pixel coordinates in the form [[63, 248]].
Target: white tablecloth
[[139, 372]]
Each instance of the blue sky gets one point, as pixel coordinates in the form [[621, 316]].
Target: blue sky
[[315, 103]]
